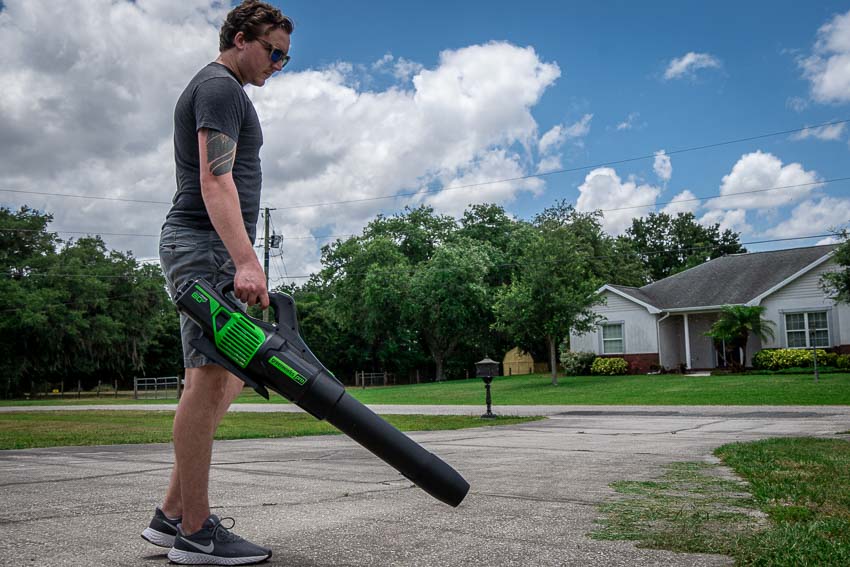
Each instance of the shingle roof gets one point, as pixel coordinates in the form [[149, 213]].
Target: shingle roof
[[728, 280], [636, 293]]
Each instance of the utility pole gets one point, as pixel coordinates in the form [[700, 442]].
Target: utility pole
[[266, 260]]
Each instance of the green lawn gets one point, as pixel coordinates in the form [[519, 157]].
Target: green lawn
[[793, 509], [667, 389], [24, 430]]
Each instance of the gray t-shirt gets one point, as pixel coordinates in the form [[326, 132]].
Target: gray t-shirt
[[215, 99]]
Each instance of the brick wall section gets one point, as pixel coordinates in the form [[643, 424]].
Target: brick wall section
[[841, 349], [638, 363]]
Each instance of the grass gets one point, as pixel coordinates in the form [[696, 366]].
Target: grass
[[537, 389], [666, 389], [793, 507], [24, 430]]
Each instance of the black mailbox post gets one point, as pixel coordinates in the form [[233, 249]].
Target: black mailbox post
[[486, 369]]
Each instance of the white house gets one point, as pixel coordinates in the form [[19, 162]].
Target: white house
[[664, 323]]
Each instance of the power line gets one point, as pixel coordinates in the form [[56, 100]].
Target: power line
[[506, 265], [334, 236], [470, 185], [559, 171], [76, 196]]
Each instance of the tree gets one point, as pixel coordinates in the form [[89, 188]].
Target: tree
[[837, 283], [25, 241], [417, 232], [737, 323], [74, 309], [490, 224], [614, 260], [449, 299], [669, 245], [555, 288], [364, 286]]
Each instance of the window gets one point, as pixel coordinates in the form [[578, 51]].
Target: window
[[612, 339], [804, 329]]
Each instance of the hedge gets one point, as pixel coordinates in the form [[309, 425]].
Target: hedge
[[610, 366], [778, 359]]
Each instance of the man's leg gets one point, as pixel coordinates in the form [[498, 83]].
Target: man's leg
[[208, 394]]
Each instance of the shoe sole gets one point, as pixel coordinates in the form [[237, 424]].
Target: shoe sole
[[158, 538], [182, 557]]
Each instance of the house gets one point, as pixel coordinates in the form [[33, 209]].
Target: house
[[664, 323]]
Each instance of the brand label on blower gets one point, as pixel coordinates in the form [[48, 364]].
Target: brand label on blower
[[287, 370]]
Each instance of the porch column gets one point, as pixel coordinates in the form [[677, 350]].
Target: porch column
[[687, 343]]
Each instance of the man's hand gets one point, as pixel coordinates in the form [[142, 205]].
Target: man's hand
[[249, 285]]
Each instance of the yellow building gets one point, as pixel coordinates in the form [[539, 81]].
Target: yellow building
[[517, 362]]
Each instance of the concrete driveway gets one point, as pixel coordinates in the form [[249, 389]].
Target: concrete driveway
[[321, 501]]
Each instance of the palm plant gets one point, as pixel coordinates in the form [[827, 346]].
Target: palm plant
[[737, 322]]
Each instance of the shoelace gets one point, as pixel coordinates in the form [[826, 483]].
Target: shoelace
[[222, 533]]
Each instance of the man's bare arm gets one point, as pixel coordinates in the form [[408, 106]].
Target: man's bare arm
[[217, 152]]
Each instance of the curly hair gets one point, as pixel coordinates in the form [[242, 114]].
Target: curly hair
[[251, 18]]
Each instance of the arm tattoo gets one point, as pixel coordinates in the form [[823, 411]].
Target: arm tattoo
[[221, 153]]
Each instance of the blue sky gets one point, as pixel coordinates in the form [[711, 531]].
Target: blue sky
[[383, 98], [612, 57]]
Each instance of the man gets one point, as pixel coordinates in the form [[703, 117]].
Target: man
[[209, 232]]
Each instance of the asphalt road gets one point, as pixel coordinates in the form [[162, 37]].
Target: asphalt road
[[325, 501]]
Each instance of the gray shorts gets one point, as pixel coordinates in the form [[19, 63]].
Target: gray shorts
[[185, 254]]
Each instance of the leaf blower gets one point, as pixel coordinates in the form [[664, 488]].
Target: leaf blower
[[274, 356]]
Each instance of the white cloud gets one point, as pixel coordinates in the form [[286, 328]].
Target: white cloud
[[828, 67], [688, 64], [88, 109], [549, 164], [684, 202], [734, 219], [580, 128], [603, 189], [553, 139], [830, 132], [497, 164], [630, 121], [333, 142], [400, 68], [812, 217], [797, 104], [757, 171], [550, 143], [662, 166]]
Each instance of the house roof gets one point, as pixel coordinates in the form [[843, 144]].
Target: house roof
[[729, 280], [635, 293]]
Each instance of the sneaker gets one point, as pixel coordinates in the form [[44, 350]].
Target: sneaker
[[214, 544], [161, 530]]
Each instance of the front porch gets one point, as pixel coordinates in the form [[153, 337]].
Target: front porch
[[682, 342]]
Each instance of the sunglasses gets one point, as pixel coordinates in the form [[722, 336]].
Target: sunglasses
[[275, 54]]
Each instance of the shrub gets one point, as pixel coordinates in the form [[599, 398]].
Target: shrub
[[828, 358], [763, 359], [777, 359], [610, 366], [842, 361], [577, 363]]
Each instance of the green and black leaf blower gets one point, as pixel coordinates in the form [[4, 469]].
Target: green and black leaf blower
[[274, 356]]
